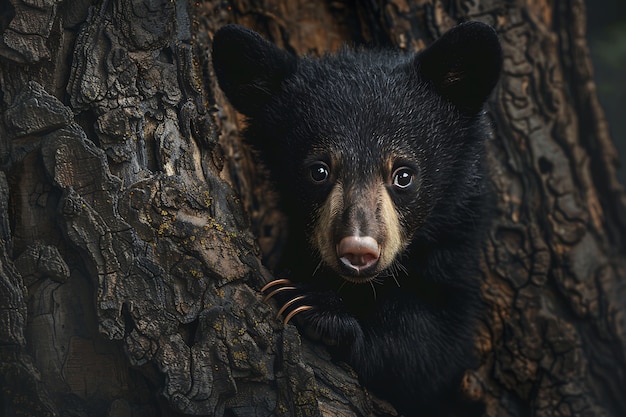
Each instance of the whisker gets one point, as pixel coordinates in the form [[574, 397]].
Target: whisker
[[396, 280], [379, 279], [317, 268], [373, 289], [400, 268], [395, 270]]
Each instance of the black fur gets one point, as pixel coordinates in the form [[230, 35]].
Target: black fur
[[409, 332]]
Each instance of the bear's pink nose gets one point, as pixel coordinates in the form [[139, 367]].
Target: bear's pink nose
[[358, 253]]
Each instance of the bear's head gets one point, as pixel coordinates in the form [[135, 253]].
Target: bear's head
[[370, 149]]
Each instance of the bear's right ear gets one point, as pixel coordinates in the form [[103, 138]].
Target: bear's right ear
[[249, 68]]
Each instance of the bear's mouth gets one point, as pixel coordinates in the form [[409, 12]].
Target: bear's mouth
[[358, 272]]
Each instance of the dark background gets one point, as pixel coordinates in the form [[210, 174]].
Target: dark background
[[606, 31]]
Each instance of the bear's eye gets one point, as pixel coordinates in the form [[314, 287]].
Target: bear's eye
[[319, 172], [402, 177]]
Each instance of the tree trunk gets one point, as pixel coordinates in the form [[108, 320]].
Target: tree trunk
[[129, 272]]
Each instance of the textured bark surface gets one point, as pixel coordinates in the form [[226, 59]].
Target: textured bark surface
[[129, 270]]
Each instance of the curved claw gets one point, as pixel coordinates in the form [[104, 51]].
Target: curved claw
[[296, 311], [276, 291], [275, 282], [289, 303]]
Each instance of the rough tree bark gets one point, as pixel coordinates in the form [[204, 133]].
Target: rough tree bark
[[128, 269]]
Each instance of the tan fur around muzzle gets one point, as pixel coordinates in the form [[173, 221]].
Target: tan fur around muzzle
[[373, 205]]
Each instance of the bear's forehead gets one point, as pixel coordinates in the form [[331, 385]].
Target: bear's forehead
[[362, 111], [338, 82], [361, 94], [358, 116], [350, 106]]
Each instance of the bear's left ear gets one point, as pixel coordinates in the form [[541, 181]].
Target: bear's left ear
[[464, 65], [249, 69]]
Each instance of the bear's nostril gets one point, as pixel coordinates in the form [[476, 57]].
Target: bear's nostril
[[358, 252], [359, 259]]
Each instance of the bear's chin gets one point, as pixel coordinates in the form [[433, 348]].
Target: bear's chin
[[359, 279]]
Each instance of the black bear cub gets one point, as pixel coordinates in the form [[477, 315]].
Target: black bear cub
[[378, 158]]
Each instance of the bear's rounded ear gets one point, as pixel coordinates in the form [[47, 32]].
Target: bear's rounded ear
[[464, 65], [249, 69]]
